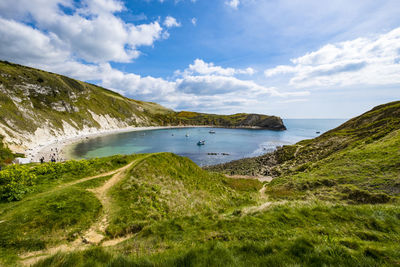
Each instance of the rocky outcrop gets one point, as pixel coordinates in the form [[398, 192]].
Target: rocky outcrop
[[257, 120], [240, 120]]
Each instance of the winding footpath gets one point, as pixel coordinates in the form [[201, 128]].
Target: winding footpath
[[95, 235]]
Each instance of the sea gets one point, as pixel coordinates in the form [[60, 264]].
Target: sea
[[222, 146]]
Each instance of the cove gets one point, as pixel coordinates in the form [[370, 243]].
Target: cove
[[222, 146]]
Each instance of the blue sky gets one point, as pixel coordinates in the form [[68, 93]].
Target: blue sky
[[295, 59]]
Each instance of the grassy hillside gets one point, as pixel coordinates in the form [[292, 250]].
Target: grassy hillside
[[163, 210], [31, 98], [39, 103], [334, 201], [358, 132], [235, 120]]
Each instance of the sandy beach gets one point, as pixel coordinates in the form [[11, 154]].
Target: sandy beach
[[57, 149]]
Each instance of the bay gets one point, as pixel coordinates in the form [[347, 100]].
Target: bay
[[222, 146]]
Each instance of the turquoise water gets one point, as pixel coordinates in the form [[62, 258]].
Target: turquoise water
[[234, 143]]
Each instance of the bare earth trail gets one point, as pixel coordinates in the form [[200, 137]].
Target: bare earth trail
[[263, 198], [259, 178], [297, 150], [265, 204], [96, 233]]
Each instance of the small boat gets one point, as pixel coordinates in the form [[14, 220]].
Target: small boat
[[212, 132], [187, 135], [201, 143], [317, 132]]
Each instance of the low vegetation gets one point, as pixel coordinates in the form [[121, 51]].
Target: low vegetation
[[16, 181], [339, 207], [365, 129]]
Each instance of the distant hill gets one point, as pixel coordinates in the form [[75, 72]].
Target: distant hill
[[363, 151], [38, 106]]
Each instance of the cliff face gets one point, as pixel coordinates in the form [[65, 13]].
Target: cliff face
[[38, 107], [240, 120], [257, 120]]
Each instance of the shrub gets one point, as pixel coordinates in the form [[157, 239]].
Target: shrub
[[15, 182]]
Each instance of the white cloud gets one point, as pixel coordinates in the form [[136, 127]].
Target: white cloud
[[194, 21], [102, 6], [200, 67], [362, 61], [82, 42], [23, 43], [197, 91], [193, 91], [214, 85], [295, 100], [170, 22], [233, 3], [90, 31]]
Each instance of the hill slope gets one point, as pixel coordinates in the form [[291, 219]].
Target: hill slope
[[163, 210], [38, 106], [367, 128], [337, 207]]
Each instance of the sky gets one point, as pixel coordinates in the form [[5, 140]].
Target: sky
[[290, 58]]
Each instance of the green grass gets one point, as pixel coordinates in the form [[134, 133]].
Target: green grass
[[334, 202], [247, 185], [315, 234], [365, 129], [164, 186], [51, 219], [180, 215], [53, 212], [43, 177], [366, 174]]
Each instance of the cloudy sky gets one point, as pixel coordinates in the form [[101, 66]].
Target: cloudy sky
[[292, 58]]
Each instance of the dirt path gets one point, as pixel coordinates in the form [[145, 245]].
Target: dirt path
[[259, 178], [297, 150], [263, 206], [56, 188], [92, 177], [95, 234]]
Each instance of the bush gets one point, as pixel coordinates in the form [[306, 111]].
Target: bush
[[15, 182], [18, 180]]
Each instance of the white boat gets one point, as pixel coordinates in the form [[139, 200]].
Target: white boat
[[212, 132], [201, 143]]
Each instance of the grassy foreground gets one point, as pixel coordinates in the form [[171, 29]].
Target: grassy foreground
[[175, 214], [339, 207]]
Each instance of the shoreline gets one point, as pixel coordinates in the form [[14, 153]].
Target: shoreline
[[57, 150]]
